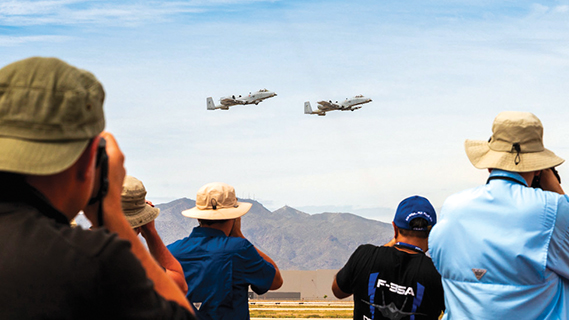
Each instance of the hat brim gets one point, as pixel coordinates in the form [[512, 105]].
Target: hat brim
[[143, 216], [39, 157], [218, 214], [482, 157]]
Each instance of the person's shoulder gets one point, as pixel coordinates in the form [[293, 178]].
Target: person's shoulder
[[237, 244], [426, 266], [93, 243], [461, 196], [178, 244], [365, 250], [368, 247], [62, 237]]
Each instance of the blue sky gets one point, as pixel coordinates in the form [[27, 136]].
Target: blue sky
[[438, 73]]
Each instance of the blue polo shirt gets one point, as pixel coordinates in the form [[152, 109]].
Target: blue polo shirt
[[219, 270]]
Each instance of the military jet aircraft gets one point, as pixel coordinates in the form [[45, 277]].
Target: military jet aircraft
[[251, 98], [346, 105]]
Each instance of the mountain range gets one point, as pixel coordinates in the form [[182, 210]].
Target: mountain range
[[293, 239]]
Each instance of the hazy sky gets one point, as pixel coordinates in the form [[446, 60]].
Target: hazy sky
[[438, 73]]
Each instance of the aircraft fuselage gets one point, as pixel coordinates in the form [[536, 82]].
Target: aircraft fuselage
[[251, 98], [346, 105]]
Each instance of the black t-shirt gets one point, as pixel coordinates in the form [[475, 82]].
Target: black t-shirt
[[49, 270], [391, 284]]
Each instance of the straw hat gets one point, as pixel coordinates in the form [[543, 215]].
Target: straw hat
[[134, 206], [217, 201], [49, 110], [516, 145]]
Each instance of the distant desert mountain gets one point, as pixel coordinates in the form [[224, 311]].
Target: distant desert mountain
[[294, 239]]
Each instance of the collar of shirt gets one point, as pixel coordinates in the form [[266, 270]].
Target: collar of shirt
[[207, 232], [508, 174]]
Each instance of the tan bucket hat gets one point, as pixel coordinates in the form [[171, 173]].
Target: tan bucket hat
[[516, 145], [217, 201], [49, 111], [134, 206]]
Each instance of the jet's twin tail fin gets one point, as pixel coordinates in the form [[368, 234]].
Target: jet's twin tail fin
[[210, 104], [307, 108]]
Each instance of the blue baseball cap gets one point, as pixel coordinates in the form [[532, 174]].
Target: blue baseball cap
[[414, 207]]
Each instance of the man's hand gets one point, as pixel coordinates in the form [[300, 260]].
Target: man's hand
[[549, 182], [116, 174], [148, 230]]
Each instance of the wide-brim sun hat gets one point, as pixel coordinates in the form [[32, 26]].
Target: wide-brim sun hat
[[133, 200], [49, 111], [516, 145], [217, 201]]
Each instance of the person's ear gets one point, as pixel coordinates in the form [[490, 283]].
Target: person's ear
[[86, 162], [395, 230]]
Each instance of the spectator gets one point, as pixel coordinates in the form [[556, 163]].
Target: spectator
[[397, 280], [140, 214], [502, 248], [51, 118], [218, 262]]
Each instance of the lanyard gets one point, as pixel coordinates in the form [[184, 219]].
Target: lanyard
[[409, 246]]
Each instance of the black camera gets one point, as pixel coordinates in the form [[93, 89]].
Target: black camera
[[102, 163]]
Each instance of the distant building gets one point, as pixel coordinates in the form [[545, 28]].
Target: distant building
[[302, 285]]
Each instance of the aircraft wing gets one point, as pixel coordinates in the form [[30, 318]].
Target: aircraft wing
[[228, 102], [329, 105]]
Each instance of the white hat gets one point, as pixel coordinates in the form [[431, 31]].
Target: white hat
[[217, 201]]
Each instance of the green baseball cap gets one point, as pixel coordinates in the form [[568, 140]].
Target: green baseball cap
[[49, 111]]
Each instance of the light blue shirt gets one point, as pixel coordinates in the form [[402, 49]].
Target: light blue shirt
[[502, 250]]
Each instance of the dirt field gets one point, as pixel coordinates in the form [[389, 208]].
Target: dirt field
[[300, 310]]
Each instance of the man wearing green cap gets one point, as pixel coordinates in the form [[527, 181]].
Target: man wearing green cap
[[51, 165]]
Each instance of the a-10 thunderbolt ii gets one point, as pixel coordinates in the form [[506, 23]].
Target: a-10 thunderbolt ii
[[346, 105], [251, 98]]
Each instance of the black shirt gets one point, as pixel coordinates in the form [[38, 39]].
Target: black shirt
[[391, 284], [49, 270]]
